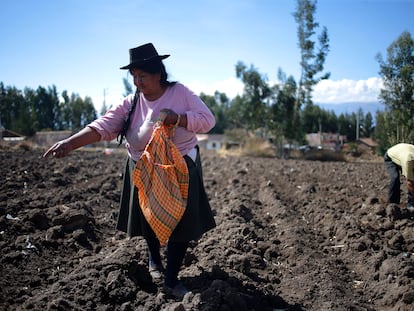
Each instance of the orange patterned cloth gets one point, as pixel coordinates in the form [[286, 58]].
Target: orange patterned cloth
[[161, 176]]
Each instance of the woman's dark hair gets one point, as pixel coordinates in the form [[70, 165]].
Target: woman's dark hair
[[152, 67], [125, 126]]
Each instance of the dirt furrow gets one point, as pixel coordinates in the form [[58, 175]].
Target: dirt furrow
[[290, 235]]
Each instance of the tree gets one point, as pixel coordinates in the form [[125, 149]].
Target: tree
[[281, 114], [236, 113], [66, 114], [15, 115], [35, 110], [75, 112], [315, 119], [83, 111], [218, 104], [11, 99], [312, 58], [384, 131], [347, 125], [367, 125], [256, 91], [397, 94], [127, 86], [46, 108]]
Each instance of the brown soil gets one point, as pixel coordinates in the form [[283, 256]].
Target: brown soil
[[291, 235]]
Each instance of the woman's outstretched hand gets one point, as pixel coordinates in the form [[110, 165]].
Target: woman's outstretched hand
[[59, 150]]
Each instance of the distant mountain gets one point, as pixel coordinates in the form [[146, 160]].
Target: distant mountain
[[350, 108]]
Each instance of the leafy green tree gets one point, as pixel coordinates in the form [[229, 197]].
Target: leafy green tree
[[347, 125], [331, 122], [218, 104], [236, 113], [311, 119], [256, 92], [3, 106], [75, 112], [397, 71], [315, 119], [65, 115], [83, 111], [281, 114], [384, 132], [10, 101], [312, 57], [367, 125], [128, 87], [45, 108], [34, 110], [28, 113], [89, 113], [23, 119]]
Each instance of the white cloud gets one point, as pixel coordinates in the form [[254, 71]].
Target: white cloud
[[326, 91], [343, 91]]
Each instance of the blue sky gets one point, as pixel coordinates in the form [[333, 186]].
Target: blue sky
[[79, 45]]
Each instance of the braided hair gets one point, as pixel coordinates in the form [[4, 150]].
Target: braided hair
[[125, 127]]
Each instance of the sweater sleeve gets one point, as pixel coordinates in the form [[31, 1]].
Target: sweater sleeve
[[199, 117], [110, 124]]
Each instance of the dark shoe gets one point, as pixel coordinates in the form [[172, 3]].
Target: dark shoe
[[156, 272], [178, 291]]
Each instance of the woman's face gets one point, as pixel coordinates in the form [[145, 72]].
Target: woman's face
[[147, 83]]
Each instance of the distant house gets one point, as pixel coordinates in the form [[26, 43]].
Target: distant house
[[210, 141], [368, 143], [48, 138], [332, 141], [10, 136]]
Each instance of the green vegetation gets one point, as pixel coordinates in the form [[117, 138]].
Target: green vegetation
[[281, 113], [29, 111], [396, 124]]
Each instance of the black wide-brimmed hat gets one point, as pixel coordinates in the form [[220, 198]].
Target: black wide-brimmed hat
[[142, 54]]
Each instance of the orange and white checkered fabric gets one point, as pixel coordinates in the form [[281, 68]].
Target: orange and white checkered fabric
[[161, 176]]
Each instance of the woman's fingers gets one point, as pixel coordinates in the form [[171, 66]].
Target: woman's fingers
[[58, 150], [168, 117], [50, 151]]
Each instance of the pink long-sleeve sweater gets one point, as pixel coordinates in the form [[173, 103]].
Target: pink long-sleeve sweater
[[177, 98]]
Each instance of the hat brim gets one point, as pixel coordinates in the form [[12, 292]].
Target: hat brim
[[143, 61]]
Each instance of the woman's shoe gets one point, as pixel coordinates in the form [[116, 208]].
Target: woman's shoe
[[156, 272], [178, 291]]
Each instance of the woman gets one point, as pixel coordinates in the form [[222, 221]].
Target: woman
[[134, 119]]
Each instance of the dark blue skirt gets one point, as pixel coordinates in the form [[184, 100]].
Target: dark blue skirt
[[197, 219]]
